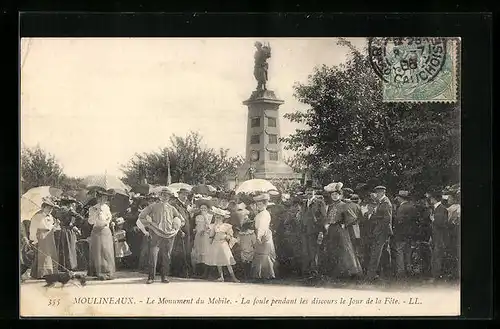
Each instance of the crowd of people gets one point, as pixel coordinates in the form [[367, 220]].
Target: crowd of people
[[319, 233]]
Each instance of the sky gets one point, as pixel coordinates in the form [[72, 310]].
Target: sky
[[95, 102]]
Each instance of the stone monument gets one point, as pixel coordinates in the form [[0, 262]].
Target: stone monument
[[264, 157]]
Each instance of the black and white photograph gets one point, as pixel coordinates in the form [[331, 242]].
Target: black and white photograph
[[174, 177]]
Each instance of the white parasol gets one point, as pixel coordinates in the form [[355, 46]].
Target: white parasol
[[106, 182], [257, 186], [31, 201]]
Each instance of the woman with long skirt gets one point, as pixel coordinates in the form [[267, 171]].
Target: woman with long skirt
[[42, 230], [339, 245], [66, 237], [101, 249], [264, 255]]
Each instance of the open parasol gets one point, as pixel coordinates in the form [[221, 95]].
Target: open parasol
[[176, 187], [106, 182], [31, 201], [253, 186]]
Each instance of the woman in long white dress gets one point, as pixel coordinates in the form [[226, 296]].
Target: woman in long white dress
[[221, 235], [42, 230], [201, 238], [101, 249], [264, 258]]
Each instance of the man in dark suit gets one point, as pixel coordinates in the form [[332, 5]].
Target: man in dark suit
[[403, 226], [312, 214], [439, 219], [181, 264], [382, 230]]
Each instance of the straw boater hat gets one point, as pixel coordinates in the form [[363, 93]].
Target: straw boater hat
[[261, 197], [166, 190], [334, 187], [354, 198], [221, 212], [183, 190], [379, 188]]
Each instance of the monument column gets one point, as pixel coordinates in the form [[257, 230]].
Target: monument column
[[264, 156]]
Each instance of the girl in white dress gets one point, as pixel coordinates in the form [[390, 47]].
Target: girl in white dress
[[201, 238], [221, 240]]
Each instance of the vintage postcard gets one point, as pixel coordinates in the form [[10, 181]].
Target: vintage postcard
[[250, 177]]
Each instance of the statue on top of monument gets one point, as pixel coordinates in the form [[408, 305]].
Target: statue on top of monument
[[261, 56]]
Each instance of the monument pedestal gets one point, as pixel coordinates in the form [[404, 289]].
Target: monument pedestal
[[263, 157]]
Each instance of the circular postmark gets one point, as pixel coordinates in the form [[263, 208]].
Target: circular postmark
[[405, 61]]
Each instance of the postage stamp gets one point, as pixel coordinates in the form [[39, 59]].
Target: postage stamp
[[416, 69]]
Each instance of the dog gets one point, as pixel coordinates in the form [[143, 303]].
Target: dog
[[64, 278]]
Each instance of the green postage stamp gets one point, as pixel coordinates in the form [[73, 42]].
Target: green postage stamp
[[417, 69]]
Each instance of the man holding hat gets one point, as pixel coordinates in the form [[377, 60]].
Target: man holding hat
[[382, 229], [403, 226], [160, 218]]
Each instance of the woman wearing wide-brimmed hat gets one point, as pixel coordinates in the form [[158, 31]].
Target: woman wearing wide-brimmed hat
[[67, 236], [264, 259], [340, 258], [42, 230], [101, 249], [201, 239]]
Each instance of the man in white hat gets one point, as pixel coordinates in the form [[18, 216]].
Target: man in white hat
[[160, 218]]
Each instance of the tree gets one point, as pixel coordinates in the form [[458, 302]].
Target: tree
[[40, 168], [352, 136], [190, 162]]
